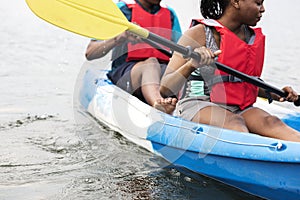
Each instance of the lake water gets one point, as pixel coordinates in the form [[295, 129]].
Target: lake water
[[51, 150]]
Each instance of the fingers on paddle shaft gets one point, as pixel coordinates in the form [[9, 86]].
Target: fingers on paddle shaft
[[297, 103]]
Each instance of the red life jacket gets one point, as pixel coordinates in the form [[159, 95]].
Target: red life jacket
[[159, 23], [246, 58]]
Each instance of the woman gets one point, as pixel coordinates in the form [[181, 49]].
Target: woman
[[212, 97]]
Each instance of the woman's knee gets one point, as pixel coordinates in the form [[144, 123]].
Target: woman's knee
[[236, 122], [272, 121]]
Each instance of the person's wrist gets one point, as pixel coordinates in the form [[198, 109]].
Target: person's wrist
[[191, 64], [118, 40]]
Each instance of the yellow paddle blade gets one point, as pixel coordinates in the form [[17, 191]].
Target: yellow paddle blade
[[99, 19]]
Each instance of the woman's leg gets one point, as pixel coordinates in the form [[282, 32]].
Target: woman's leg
[[217, 116], [260, 122]]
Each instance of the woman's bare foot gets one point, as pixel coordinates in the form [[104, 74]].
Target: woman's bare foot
[[166, 105]]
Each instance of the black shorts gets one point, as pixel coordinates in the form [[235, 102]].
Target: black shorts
[[121, 77]]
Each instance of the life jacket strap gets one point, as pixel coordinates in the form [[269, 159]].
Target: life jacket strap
[[224, 78]]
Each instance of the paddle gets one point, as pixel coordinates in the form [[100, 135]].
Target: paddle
[[102, 19]]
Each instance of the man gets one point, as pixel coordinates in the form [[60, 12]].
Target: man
[[137, 67]]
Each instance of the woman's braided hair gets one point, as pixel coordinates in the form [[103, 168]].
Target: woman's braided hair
[[213, 9]]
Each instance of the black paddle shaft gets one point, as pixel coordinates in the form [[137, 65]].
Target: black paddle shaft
[[255, 81], [188, 52]]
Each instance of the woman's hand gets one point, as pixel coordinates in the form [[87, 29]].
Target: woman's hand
[[292, 95], [206, 57]]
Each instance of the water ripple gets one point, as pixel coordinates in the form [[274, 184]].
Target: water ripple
[[25, 121]]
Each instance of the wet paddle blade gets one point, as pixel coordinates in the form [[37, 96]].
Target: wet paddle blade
[[99, 19]]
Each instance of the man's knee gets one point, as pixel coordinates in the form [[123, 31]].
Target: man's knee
[[152, 59]]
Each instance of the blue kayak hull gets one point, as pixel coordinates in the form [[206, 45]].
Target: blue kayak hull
[[249, 176], [264, 167]]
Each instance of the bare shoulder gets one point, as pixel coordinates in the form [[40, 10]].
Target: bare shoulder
[[195, 36]]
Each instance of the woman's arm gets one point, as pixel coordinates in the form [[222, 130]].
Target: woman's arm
[[180, 68], [292, 96]]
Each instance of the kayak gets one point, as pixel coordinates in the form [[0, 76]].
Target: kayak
[[265, 167]]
